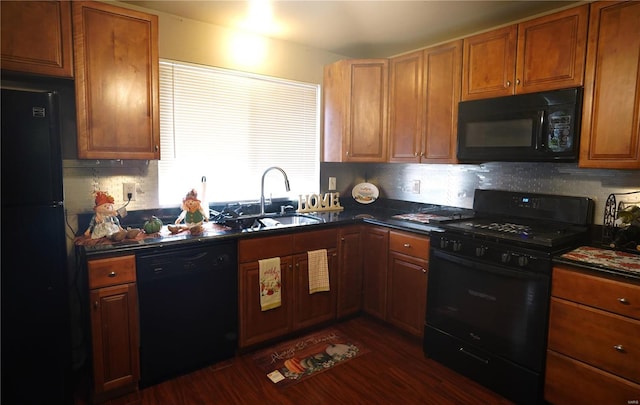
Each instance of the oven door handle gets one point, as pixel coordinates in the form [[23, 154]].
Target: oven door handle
[[474, 356], [494, 268]]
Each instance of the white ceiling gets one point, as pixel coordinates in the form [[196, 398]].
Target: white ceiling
[[363, 29]]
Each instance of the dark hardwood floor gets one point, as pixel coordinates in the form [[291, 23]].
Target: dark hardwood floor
[[395, 371]]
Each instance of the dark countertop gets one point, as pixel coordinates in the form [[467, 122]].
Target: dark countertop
[[382, 213], [603, 260], [379, 214]]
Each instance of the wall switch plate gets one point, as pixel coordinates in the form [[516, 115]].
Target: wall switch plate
[[416, 187], [128, 188], [332, 183]]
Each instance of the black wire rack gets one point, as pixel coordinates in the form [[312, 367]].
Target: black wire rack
[[616, 202]]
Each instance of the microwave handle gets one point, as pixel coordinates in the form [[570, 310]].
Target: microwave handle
[[540, 140]]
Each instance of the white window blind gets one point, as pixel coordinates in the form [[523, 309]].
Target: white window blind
[[230, 126]]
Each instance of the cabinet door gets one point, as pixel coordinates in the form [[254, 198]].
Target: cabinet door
[[311, 309], [114, 327], [375, 242], [116, 71], [36, 37], [405, 107], [349, 272], [610, 136], [407, 293], [442, 80], [488, 64], [551, 51], [366, 128], [257, 326]]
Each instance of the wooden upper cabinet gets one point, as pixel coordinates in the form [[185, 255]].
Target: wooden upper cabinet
[[355, 110], [36, 37], [545, 53], [442, 71], [488, 64], [406, 100], [117, 87], [551, 51], [610, 136], [424, 91]]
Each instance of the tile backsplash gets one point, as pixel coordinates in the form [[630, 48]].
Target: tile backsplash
[[441, 184]]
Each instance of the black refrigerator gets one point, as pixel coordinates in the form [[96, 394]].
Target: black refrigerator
[[35, 318]]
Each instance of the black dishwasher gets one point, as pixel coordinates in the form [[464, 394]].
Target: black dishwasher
[[188, 304]]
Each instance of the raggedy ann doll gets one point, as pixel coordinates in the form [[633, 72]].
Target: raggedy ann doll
[[105, 220]]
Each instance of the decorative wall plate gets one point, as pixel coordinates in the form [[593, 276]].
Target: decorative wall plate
[[365, 193]]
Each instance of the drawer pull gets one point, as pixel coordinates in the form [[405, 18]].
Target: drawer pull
[[623, 301], [112, 274], [619, 348], [407, 245]]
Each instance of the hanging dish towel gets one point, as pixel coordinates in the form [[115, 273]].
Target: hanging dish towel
[[318, 271], [270, 283]]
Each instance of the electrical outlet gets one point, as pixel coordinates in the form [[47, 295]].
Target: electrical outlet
[[129, 188], [332, 183]]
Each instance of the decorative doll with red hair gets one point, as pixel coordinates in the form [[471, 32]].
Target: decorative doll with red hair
[[105, 220]]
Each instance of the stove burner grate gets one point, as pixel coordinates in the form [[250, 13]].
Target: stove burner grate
[[506, 227]]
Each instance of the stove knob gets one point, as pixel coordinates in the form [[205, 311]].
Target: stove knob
[[523, 261], [457, 246], [481, 251], [443, 243], [505, 257]]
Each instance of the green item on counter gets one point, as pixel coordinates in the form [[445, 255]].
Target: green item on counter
[[153, 225]]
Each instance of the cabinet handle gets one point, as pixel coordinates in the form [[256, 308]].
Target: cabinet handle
[[341, 239], [157, 148], [508, 83], [416, 154], [623, 301], [112, 274], [347, 153], [95, 305], [407, 245], [424, 271], [619, 348], [518, 81]]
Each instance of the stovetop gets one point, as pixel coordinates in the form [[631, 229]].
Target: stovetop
[[534, 220], [519, 231]]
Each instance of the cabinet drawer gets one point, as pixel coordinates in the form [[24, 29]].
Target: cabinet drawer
[[250, 250], [611, 295], [112, 271], [412, 245], [569, 381], [314, 240], [602, 339]]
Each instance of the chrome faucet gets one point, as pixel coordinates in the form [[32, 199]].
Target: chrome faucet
[[286, 185]]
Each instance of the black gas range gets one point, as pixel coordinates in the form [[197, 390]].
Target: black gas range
[[489, 287]]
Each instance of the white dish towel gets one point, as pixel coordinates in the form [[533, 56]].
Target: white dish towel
[[270, 283], [318, 271]]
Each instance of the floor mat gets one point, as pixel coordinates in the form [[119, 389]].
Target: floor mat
[[292, 361]]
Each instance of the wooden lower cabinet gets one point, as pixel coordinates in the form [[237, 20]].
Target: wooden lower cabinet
[[375, 248], [407, 287], [349, 271], [298, 309], [114, 325], [594, 324]]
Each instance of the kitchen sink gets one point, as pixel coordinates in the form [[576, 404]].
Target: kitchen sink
[[271, 221]]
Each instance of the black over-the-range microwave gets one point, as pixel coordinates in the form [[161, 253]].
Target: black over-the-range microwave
[[535, 127]]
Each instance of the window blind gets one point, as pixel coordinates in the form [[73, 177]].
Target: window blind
[[230, 126]]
